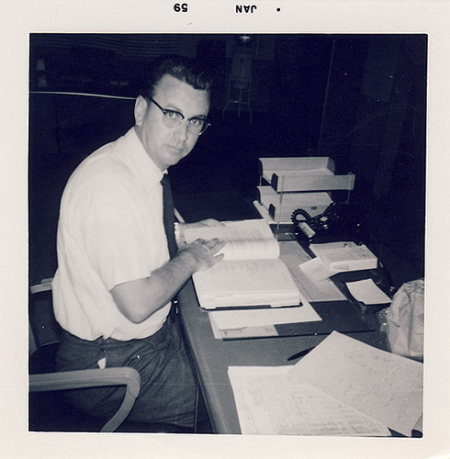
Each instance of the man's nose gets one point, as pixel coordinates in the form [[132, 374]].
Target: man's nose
[[181, 131]]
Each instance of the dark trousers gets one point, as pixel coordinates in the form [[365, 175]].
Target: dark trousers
[[168, 388]]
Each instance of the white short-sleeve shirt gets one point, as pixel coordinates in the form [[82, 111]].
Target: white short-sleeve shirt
[[110, 231]]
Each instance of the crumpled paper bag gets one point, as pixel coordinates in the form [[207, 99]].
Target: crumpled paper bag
[[405, 320]]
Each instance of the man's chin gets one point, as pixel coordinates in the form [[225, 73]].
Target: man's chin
[[172, 159]]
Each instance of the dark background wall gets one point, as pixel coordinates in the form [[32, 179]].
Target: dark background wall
[[360, 99]]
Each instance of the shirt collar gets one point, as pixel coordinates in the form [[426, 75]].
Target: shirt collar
[[145, 165]]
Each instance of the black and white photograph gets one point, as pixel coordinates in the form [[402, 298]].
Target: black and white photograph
[[228, 237]]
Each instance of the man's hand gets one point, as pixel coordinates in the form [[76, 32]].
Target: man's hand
[[204, 254], [139, 299], [209, 222], [202, 223]]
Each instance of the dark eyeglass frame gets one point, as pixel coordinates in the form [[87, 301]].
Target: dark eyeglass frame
[[180, 118]]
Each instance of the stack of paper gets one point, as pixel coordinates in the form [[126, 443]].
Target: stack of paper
[[345, 256], [336, 257], [342, 387], [256, 323]]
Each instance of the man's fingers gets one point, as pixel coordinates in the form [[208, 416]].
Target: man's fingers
[[218, 258], [210, 222], [215, 244]]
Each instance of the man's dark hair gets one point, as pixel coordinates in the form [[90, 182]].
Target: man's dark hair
[[183, 68]]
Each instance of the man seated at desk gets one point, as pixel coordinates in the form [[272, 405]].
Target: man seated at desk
[[118, 266]]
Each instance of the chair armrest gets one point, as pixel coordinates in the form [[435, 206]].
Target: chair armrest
[[120, 376], [44, 286], [79, 379]]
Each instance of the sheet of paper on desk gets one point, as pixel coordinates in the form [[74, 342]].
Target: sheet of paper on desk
[[268, 403], [247, 322], [325, 290], [385, 386], [316, 269], [342, 387], [367, 292]]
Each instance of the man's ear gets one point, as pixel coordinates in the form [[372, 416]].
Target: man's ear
[[140, 108]]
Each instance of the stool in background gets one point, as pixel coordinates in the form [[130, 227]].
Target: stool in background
[[239, 82]]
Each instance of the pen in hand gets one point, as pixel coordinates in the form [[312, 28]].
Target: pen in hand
[[300, 354]]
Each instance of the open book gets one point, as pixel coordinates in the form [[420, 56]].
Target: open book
[[251, 273]]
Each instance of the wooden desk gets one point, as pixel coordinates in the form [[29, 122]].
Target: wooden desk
[[212, 358]]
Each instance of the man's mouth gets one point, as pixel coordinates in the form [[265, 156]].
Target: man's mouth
[[176, 150]]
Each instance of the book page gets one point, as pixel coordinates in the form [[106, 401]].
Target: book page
[[246, 239], [268, 403], [246, 283], [385, 386]]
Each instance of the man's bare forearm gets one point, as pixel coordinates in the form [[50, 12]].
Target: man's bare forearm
[[139, 299]]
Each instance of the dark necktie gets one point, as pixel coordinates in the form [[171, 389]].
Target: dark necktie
[[168, 216]]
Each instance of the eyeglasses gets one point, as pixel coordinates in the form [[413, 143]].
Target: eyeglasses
[[172, 119]]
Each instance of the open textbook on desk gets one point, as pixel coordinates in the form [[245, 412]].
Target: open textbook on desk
[[251, 274]]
